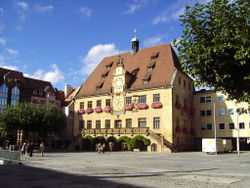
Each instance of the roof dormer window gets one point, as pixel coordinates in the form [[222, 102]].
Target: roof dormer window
[[99, 85], [108, 66], [146, 78], [154, 56]]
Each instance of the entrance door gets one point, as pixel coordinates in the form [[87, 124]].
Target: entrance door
[[118, 123]]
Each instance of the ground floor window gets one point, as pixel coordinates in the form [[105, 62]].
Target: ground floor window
[[107, 123], [98, 124], [231, 125], [156, 123], [242, 125], [89, 124], [142, 122], [128, 123], [222, 126]]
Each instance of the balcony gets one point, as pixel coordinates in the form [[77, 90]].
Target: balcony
[[118, 131]]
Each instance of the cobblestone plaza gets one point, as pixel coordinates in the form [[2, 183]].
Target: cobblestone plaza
[[129, 169]]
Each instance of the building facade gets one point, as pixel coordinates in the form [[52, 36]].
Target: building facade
[[142, 92], [215, 111]]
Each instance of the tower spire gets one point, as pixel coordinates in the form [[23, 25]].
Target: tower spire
[[134, 44]]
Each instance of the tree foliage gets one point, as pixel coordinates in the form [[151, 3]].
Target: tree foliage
[[215, 46], [30, 118]]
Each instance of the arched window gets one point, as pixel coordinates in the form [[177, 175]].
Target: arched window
[[15, 92], [3, 97]]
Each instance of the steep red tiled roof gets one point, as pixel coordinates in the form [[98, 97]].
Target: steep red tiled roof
[[166, 64], [69, 99]]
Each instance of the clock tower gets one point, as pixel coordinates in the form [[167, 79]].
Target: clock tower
[[118, 85]]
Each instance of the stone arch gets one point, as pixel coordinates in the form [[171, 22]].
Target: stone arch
[[153, 147]]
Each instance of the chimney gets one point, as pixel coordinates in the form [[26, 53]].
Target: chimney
[[67, 90]]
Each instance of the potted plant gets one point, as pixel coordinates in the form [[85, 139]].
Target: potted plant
[[156, 105], [89, 110], [80, 112], [107, 109], [98, 109], [128, 107], [142, 106]]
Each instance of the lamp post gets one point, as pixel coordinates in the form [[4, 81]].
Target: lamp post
[[238, 132], [215, 130]]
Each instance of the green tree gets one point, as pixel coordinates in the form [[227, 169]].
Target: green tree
[[30, 118], [214, 48]]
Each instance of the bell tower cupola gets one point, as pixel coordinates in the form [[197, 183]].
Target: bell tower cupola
[[134, 44]]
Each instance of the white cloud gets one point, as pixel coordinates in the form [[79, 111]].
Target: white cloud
[[23, 5], [42, 9], [12, 51], [10, 67], [153, 41], [2, 41], [22, 10], [86, 12], [173, 11], [96, 54], [137, 4], [54, 76]]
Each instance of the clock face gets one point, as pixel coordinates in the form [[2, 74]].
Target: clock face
[[118, 70], [118, 83], [118, 103]]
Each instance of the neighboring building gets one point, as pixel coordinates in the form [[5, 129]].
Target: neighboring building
[[71, 134], [212, 109], [15, 88], [138, 93]]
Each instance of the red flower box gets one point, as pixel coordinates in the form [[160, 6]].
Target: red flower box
[[156, 105], [80, 112], [98, 109], [107, 109], [89, 110], [128, 107], [141, 106], [178, 105]]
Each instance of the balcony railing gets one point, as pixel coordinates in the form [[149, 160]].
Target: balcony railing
[[132, 131]]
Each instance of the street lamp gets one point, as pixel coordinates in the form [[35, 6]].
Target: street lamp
[[215, 131], [238, 131]]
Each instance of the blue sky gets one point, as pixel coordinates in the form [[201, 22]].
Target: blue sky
[[62, 41]]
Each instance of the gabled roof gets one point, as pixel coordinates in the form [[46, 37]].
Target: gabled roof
[[37, 84], [164, 67], [70, 98]]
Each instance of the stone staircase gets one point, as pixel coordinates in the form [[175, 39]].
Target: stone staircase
[[160, 139]]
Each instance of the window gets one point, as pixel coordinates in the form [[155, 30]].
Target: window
[[184, 83], [221, 112], [206, 99], [189, 86], [128, 100], [107, 102], [89, 104], [81, 105], [142, 122], [142, 99], [98, 103], [221, 125], [81, 125], [15, 93], [230, 111], [221, 98], [107, 123], [40, 92], [89, 124], [98, 124], [179, 81], [34, 92], [156, 123], [231, 125], [205, 113], [206, 126], [242, 125], [177, 99], [145, 82], [3, 97], [149, 69], [128, 123], [156, 97]]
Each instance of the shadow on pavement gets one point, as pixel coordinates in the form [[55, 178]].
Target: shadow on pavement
[[21, 176]]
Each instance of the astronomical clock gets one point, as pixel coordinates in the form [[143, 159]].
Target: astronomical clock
[[118, 83]]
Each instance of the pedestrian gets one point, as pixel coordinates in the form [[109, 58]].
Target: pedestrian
[[99, 147], [26, 150], [30, 149], [23, 149], [103, 148], [42, 148]]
